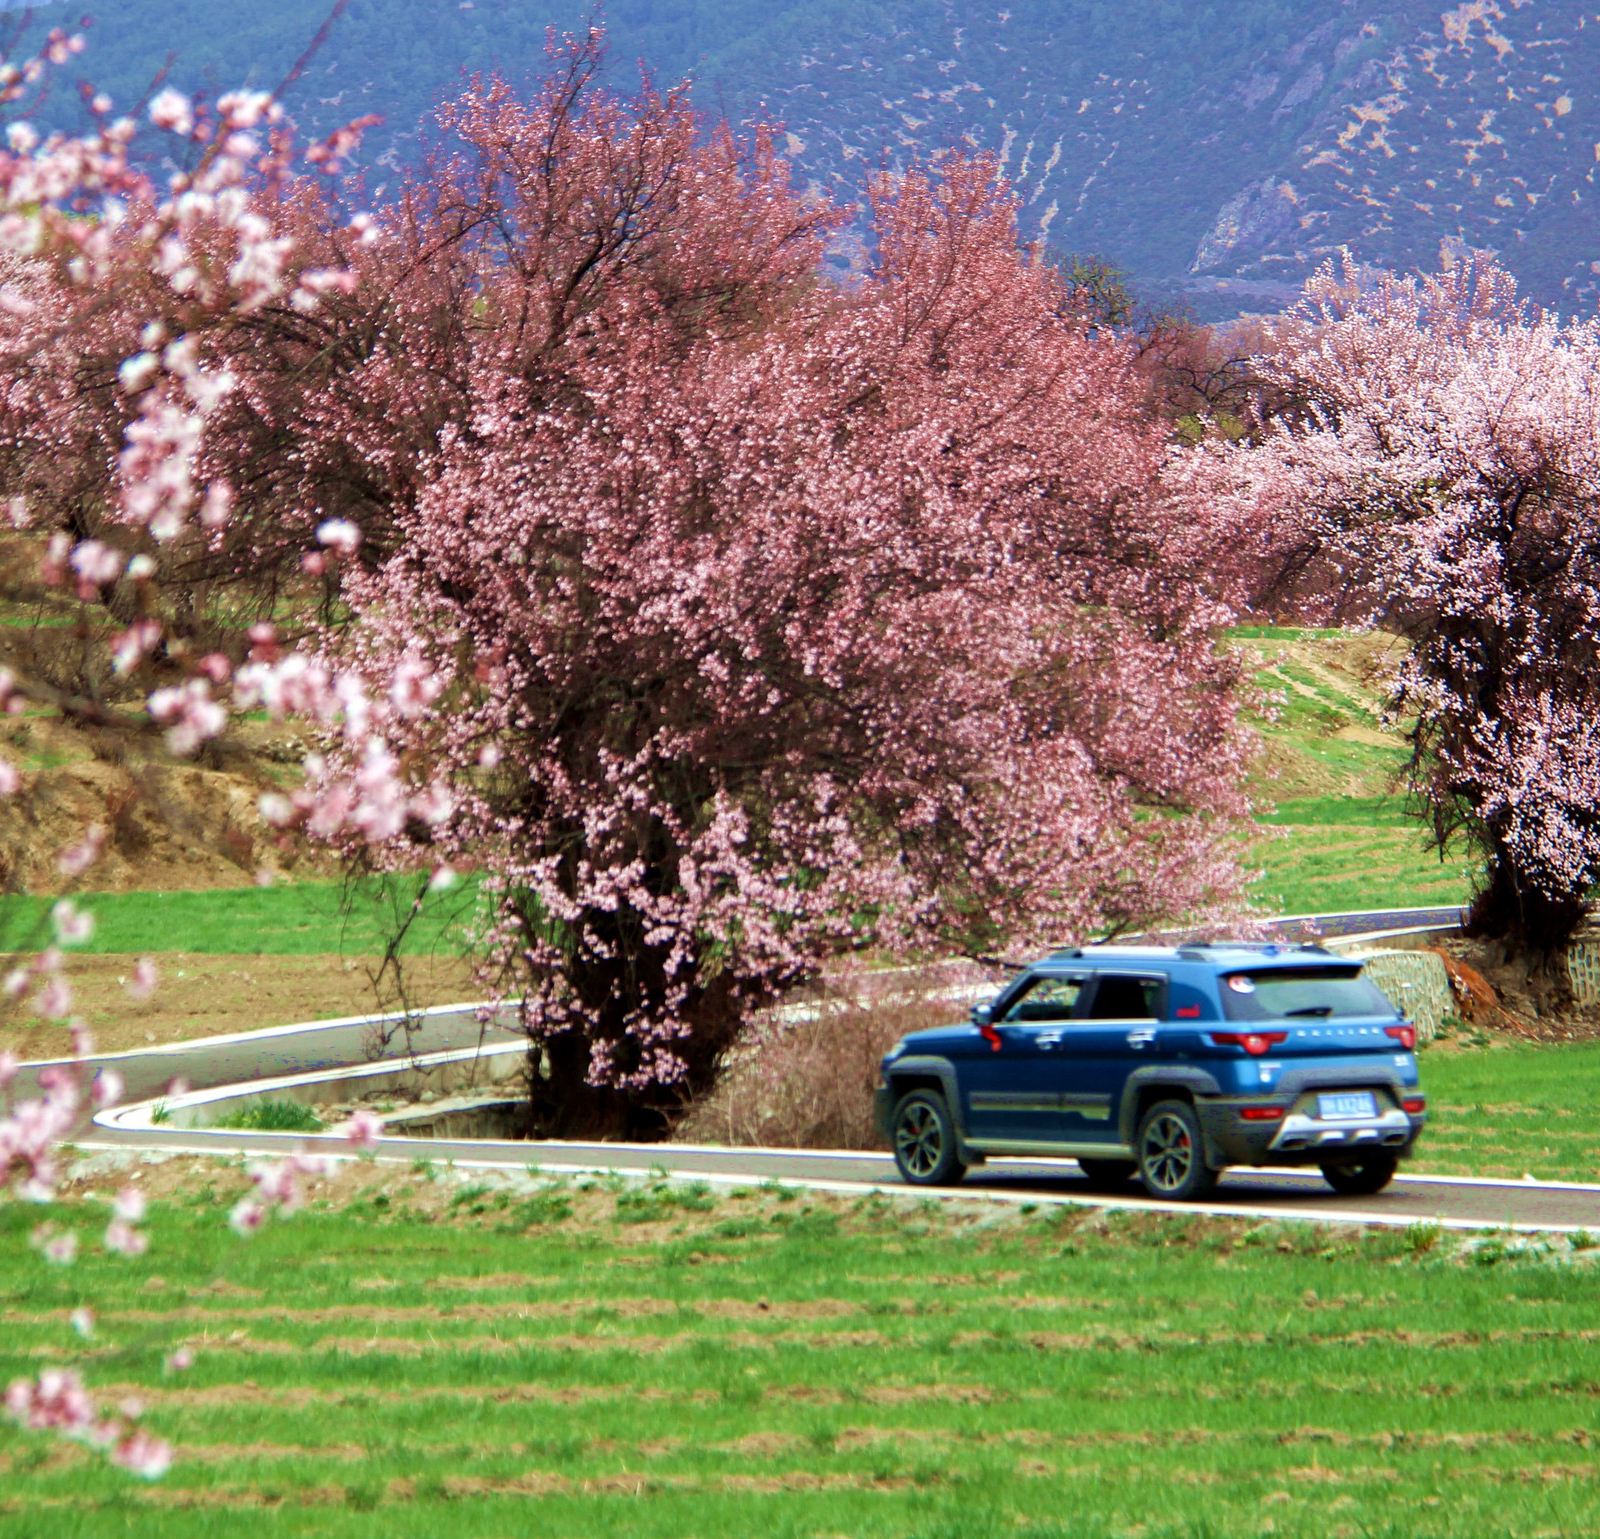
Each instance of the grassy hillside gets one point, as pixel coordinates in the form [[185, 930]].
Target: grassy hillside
[[1336, 832]]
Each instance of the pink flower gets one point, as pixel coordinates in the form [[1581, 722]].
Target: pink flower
[[246, 1216], [54, 999], [10, 780], [143, 1454], [130, 1205], [340, 536], [145, 977], [171, 110], [180, 1360], [72, 925], [363, 1129], [59, 1247], [58, 1402], [190, 713], [107, 1091], [137, 372], [124, 1239], [77, 858]]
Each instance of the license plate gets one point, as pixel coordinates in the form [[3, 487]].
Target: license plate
[[1334, 1108]]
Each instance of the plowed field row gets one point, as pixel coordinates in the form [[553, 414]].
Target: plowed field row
[[415, 1358]]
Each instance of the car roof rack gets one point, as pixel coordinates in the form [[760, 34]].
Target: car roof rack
[[1197, 951]]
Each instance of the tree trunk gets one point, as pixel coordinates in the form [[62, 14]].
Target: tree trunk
[[563, 1104], [1533, 930]]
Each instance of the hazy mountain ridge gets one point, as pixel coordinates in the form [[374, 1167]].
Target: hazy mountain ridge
[[1217, 155]]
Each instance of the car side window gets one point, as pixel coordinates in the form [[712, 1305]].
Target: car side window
[[1123, 997], [1046, 999]]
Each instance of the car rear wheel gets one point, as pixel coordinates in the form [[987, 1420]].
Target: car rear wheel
[[1360, 1178], [1107, 1175], [925, 1140], [1171, 1152]]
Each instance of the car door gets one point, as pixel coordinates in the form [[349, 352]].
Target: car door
[[1010, 1092], [1117, 1032]]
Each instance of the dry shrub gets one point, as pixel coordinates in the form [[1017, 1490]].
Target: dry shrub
[[803, 1075]]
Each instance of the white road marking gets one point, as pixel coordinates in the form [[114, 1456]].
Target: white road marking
[[896, 1190]]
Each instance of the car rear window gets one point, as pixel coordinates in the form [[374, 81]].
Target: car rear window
[[1312, 992]]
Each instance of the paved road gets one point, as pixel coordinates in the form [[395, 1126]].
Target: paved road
[[304, 1049], [1375, 921], [1451, 1202]]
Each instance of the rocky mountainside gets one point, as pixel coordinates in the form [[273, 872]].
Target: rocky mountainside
[[1217, 153]]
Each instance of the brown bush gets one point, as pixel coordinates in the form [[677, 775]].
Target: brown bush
[[804, 1074]]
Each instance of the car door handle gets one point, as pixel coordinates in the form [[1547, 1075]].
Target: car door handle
[[1049, 1039], [1141, 1038]]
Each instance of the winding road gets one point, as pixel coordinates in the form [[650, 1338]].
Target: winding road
[[320, 1049]]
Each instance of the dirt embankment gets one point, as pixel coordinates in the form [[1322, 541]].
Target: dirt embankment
[[167, 823], [1500, 995], [86, 758]]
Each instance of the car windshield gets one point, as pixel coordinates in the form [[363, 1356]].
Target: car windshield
[[1315, 993]]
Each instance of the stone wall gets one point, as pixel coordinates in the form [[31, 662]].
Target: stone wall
[[1416, 981], [1583, 964]]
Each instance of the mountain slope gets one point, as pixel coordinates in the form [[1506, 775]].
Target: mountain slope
[[1217, 154]]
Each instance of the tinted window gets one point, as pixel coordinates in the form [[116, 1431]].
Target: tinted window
[[1046, 999], [1312, 992], [1121, 997]]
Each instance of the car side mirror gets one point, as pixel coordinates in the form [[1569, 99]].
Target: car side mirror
[[982, 1015]]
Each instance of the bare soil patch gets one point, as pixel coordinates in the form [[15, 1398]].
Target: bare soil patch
[[203, 995], [1498, 994]]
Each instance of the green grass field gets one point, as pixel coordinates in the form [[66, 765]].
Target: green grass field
[[1327, 854], [1336, 832], [1512, 1111], [292, 919], [585, 1359]]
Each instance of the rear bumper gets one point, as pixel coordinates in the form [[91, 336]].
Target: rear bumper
[[1300, 1138]]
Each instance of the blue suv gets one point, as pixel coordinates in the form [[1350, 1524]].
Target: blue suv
[[1165, 1063]]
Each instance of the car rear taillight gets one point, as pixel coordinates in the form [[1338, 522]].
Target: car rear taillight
[[1405, 1035], [1261, 1113], [1414, 1105], [1255, 1043]]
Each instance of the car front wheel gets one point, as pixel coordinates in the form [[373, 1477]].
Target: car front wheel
[[1171, 1153], [1360, 1178], [925, 1140]]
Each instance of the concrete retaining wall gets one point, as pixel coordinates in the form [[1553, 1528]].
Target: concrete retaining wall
[[441, 1073]]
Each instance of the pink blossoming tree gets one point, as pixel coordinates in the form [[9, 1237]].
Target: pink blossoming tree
[[724, 617], [120, 296], [739, 619], [1444, 463]]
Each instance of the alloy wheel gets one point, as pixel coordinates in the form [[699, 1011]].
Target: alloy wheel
[[919, 1140], [1167, 1154]]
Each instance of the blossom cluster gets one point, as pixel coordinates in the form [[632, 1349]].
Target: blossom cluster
[[57, 1401], [1444, 462]]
